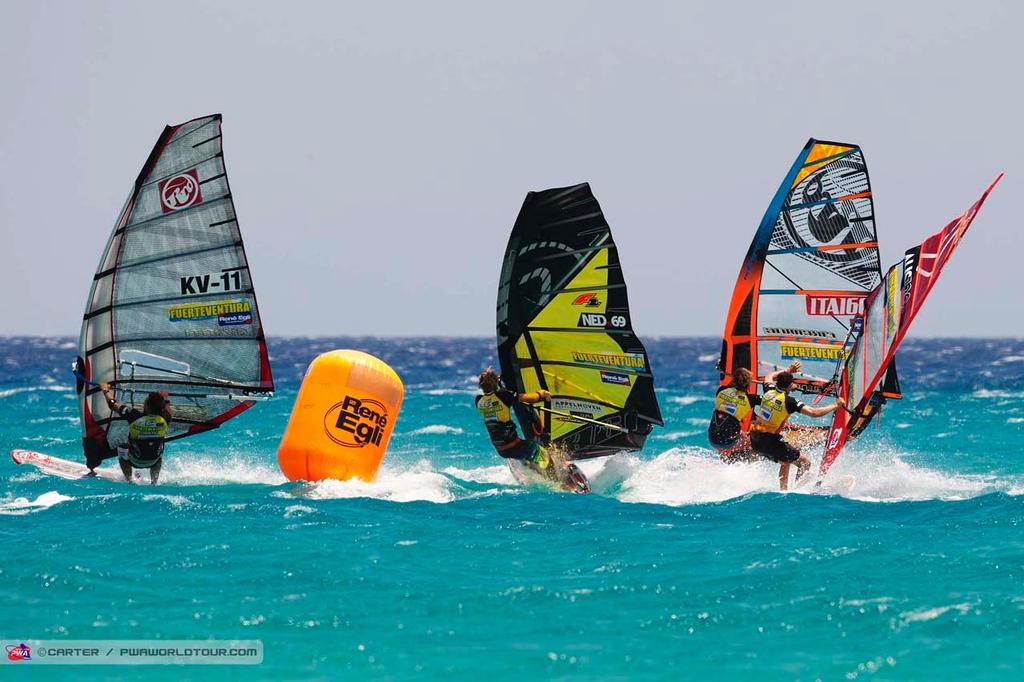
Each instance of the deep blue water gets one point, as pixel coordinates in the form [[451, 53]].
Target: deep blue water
[[678, 567]]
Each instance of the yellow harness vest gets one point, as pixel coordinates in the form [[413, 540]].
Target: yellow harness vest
[[733, 402], [497, 418], [146, 437], [771, 415]]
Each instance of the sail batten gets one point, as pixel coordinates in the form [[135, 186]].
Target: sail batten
[[172, 306], [564, 326]]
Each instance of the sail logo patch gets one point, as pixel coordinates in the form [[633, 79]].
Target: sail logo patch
[[623, 360], [835, 306], [891, 292], [615, 378], [837, 433], [792, 331], [19, 652], [227, 313], [599, 321], [812, 351], [356, 422], [576, 407], [227, 280], [180, 192], [590, 300]]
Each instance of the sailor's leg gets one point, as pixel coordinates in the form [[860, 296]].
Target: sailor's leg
[[803, 465], [784, 476], [126, 469], [154, 471]]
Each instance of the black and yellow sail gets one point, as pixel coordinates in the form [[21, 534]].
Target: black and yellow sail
[[564, 326]]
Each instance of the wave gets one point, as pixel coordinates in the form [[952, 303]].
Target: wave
[[237, 469], [420, 483], [435, 429], [688, 399], [20, 506], [8, 392]]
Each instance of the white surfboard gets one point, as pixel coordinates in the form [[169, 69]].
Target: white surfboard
[[72, 471], [831, 485]]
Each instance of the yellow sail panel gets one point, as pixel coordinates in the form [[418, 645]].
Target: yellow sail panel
[[564, 309], [819, 156]]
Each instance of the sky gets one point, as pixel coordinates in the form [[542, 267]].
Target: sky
[[379, 152]]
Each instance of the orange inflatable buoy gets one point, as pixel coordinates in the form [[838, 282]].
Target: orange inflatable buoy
[[343, 417]]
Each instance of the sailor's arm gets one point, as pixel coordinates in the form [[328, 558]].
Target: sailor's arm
[[793, 368], [822, 411], [108, 393], [535, 396]]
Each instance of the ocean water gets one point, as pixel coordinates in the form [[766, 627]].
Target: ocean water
[[677, 567]]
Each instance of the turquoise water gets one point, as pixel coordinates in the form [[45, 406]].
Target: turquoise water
[[678, 567]]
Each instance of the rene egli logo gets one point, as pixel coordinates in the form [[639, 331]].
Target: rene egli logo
[[19, 652], [355, 422]]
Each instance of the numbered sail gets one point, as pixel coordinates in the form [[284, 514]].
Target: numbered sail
[[564, 326], [812, 262], [172, 305], [890, 309]]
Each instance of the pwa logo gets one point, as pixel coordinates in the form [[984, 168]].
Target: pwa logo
[[837, 306], [356, 422], [19, 652], [836, 435], [180, 192], [589, 300]]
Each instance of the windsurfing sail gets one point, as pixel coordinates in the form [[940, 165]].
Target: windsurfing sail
[[564, 326], [890, 309], [172, 305], [813, 261]]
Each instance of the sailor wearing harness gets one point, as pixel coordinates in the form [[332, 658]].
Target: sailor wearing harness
[[146, 432], [769, 420], [734, 406], [495, 406]]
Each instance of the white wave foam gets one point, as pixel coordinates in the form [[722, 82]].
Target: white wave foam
[[924, 615], [499, 474], [448, 391], [20, 506], [419, 484], [435, 429], [1009, 358], [8, 392], [198, 470], [676, 435], [693, 475], [1015, 420], [687, 399], [46, 420], [707, 357], [987, 393]]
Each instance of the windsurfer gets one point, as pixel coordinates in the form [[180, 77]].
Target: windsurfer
[[769, 420], [495, 405], [146, 432], [734, 405]]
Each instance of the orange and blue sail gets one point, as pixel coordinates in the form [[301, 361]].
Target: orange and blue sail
[[812, 263]]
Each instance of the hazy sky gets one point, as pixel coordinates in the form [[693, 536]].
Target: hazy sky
[[379, 152]]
